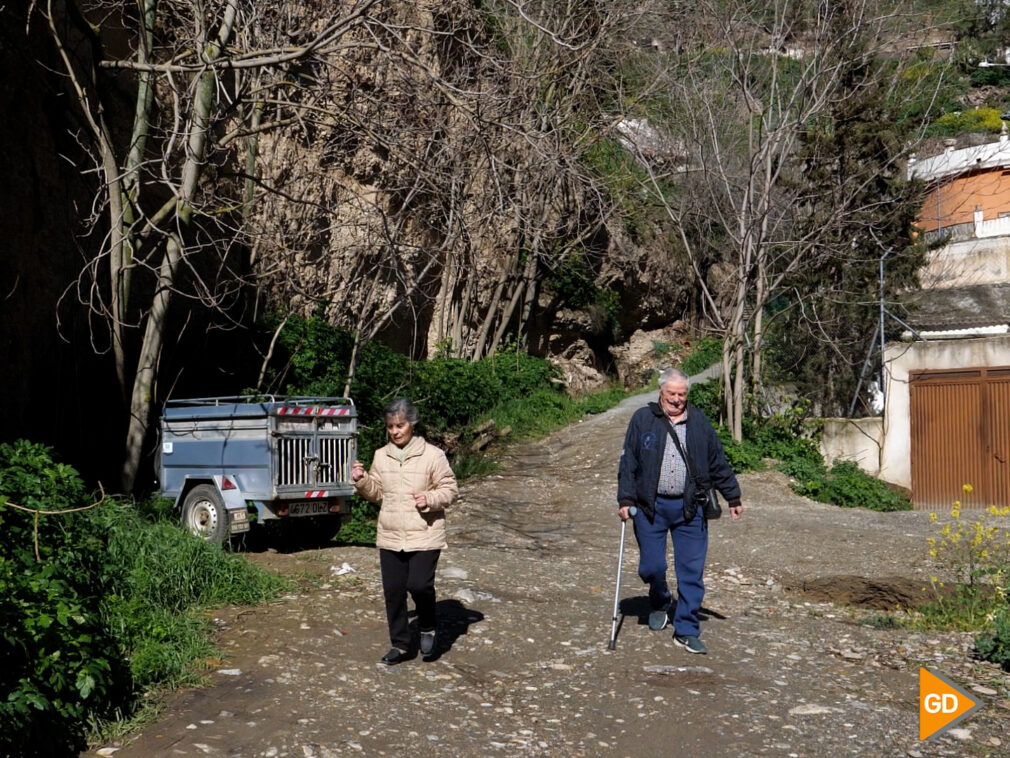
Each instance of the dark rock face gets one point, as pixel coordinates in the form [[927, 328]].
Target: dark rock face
[[52, 378], [60, 386]]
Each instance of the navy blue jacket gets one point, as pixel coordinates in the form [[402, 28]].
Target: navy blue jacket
[[644, 447]]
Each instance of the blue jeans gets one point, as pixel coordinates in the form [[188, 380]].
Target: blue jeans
[[690, 545]]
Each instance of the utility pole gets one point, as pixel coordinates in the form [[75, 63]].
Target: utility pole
[[880, 326]]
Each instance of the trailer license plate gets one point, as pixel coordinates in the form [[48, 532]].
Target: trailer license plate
[[310, 508]]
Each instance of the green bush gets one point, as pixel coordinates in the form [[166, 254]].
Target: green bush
[[598, 402], [845, 484], [104, 612], [742, 456], [707, 397], [58, 666], [360, 528], [784, 435], [995, 647], [981, 120], [706, 352], [451, 391]]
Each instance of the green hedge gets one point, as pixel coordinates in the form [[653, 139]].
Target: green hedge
[[786, 438], [451, 393]]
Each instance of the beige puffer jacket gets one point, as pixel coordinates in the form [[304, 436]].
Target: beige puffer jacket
[[393, 478]]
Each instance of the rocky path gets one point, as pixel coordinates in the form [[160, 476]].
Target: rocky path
[[526, 594]]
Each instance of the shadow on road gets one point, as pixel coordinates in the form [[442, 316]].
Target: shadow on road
[[454, 620], [639, 607]]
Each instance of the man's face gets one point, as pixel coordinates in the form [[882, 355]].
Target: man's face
[[673, 397]]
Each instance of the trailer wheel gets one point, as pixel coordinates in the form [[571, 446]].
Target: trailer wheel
[[204, 514]]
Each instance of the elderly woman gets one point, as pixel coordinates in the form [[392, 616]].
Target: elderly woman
[[414, 484]]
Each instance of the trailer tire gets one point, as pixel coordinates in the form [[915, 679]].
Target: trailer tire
[[204, 514]]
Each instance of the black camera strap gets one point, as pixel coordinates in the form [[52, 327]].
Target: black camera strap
[[711, 509]]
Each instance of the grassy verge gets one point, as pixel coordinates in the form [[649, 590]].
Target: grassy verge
[[101, 605], [545, 410]]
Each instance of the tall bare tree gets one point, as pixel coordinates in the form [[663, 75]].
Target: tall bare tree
[[201, 78], [741, 108], [450, 183]]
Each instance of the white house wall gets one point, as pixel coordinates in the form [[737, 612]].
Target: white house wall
[[969, 262], [903, 358], [853, 439]]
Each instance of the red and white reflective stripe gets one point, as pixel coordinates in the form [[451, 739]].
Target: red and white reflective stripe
[[285, 411], [317, 493]]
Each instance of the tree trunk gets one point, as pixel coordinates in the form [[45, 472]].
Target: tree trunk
[[150, 351]]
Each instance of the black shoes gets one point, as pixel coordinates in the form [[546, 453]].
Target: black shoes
[[394, 656], [426, 646], [427, 642]]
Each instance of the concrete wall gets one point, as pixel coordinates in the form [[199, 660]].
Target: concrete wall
[[901, 359], [859, 440], [974, 261]]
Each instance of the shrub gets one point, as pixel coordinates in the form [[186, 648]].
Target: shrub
[[360, 528], [706, 352], [598, 402], [974, 555], [104, 612], [707, 397], [742, 456], [845, 484], [58, 666], [451, 391], [983, 120], [995, 646]]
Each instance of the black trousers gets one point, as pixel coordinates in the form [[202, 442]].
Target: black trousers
[[404, 572]]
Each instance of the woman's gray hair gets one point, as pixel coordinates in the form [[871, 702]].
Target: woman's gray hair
[[402, 407], [673, 375]]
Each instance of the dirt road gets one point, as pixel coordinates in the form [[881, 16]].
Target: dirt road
[[526, 594]]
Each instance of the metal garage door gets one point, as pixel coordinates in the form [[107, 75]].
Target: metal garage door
[[960, 434]]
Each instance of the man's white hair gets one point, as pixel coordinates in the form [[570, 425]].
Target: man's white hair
[[673, 375]]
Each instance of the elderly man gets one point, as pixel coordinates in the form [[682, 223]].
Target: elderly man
[[655, 477]]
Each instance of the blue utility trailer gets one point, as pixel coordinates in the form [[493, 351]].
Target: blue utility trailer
[[226, 459]]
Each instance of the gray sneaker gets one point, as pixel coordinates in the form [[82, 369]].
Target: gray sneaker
[[427, 642], [690, 643], [659, 619]]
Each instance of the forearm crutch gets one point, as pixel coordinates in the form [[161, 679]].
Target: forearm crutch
[[617, 592]]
